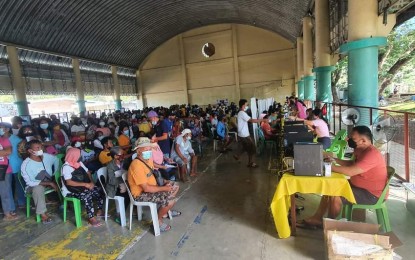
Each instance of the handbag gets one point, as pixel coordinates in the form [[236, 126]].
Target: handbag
[[156, 173], [78, 175], [3, 170]]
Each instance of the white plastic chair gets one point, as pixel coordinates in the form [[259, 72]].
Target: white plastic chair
[[119, 201], [235, 134], [153, 209]]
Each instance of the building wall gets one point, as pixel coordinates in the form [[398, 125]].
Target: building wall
[[248, 62]]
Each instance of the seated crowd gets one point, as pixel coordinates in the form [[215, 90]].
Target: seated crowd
[[154, 147]]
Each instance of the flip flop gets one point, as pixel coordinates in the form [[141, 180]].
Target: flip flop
[[174, 213], [95, 223], [10, 218], [47, 221], [164, 227]]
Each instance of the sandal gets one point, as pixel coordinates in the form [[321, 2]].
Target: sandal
[[164, 227], [47, 221], [174, 213], [236, 157], [10, 217], [95, 223]]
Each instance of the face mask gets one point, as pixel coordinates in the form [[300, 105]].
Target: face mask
[[146, 155], [1, 132], [101, 124], [100, 137], [126, 132], [29, 138], [246, 108], [78, 144], [189, 138], [38, 153], [153, 122], [44, 126], [351, 143]]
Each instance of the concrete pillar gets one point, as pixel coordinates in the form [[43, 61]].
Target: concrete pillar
[[323, 57], [80, 94], [140, 94], [362, 48], [300, 68], [18, 82], [117, 89], [309, 93]]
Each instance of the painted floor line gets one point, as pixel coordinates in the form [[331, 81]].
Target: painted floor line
[[189, 231], [138, 238]]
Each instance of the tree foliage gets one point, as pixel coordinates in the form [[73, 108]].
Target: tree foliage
[[396, 61]]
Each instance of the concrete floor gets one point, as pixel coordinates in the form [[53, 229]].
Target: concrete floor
[[225, 216]]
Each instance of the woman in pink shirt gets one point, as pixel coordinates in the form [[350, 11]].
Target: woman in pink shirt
[[320, 127]]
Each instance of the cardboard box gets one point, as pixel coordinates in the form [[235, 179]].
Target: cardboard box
[[359, 231]]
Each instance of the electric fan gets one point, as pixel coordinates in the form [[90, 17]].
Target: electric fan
[[350, 116], [383, 130]]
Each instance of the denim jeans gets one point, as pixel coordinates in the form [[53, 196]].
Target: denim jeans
[[17, 191], [5, 191]]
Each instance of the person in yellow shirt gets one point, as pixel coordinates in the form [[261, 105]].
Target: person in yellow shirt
[[104, 156], [143, 184], [144, 126], [124, 135]]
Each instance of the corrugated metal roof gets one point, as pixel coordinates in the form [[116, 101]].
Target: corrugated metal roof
[[124, 32]]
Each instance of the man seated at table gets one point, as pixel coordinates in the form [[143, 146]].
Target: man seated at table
[[368, 176]]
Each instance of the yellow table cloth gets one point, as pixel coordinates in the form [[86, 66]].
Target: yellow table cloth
[[336, 185]]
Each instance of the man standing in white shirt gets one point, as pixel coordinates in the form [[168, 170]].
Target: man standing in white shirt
[[244, 137]]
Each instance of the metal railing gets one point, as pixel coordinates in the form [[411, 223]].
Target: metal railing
[[400, 150]]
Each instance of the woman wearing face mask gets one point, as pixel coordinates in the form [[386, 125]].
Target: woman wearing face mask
[[97, 141], [124, 135], [47, 136], [26, 133], [78, 184], [114, 185], [37, 171]]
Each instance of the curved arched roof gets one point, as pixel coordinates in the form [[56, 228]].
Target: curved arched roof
[[124, 32]]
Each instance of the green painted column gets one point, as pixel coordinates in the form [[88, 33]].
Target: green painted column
[[323, 83], [309, 93], [363, 74], [300, 85], [19, 85], [118, 105], [80, 92], [81, 105]]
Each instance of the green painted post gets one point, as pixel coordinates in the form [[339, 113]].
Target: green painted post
[[118, 105], [300, 85], [22, 108], [323, 83], [363, 74], [309, 93], [81, 105]]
